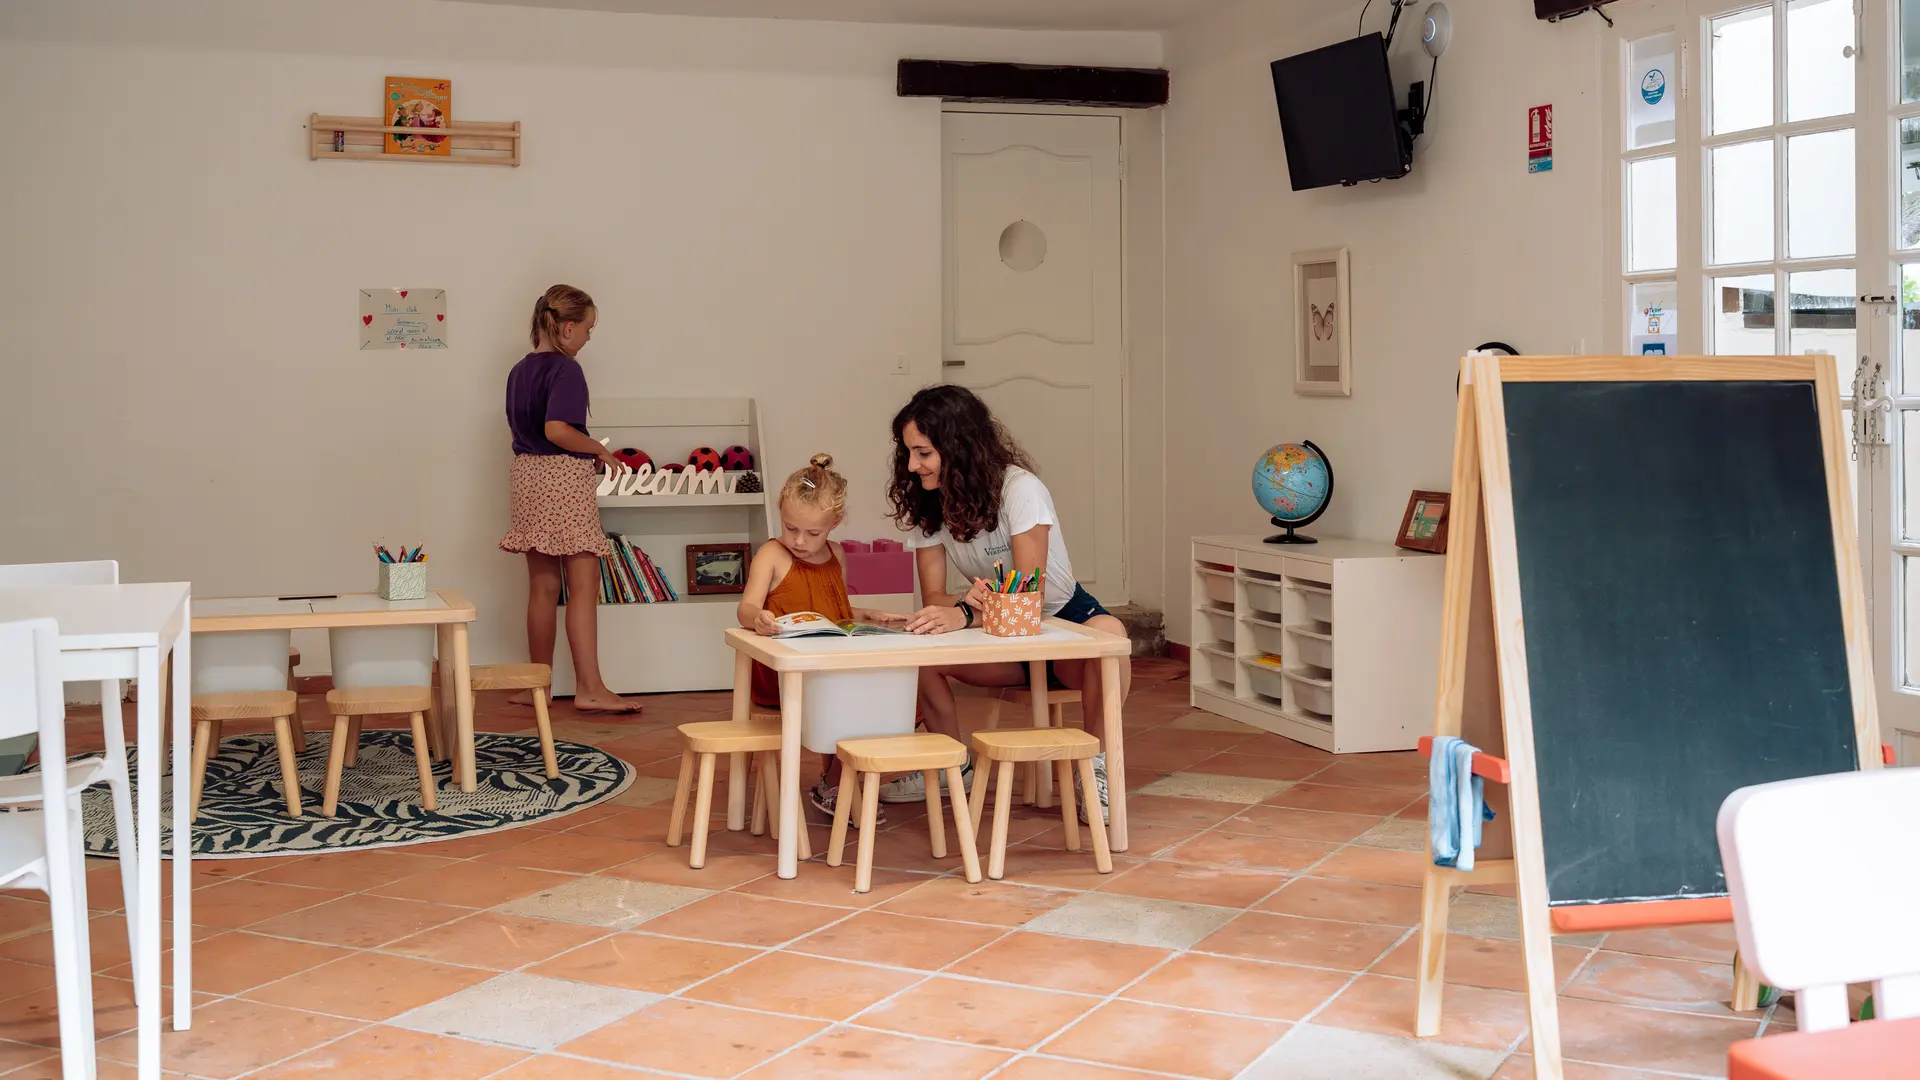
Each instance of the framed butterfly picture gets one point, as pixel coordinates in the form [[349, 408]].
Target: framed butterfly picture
[[1322, 350]]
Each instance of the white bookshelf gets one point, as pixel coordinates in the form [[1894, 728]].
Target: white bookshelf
[[1355, 623], [658, 648]]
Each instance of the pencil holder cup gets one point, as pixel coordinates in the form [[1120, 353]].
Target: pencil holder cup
[[403, 581], [1012, 614]]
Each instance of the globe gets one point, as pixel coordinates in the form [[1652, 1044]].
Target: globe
[[1293, 483]]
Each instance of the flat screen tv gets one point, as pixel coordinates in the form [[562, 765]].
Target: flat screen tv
[[1337, 115]]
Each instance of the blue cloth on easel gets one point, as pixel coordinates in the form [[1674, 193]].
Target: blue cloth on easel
[[1453, 795]]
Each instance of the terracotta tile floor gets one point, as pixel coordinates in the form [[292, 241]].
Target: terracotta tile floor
[[1260, 927]]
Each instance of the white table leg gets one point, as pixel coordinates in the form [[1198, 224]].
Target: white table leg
[[182, 829], [790, 821], [1110, 705], [151, 745], [737, 767], [114, 732]]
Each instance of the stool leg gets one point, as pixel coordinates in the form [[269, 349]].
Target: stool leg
[[993, 712], [353, 742], [977, 800], [423, 758], [299, 731], [336, 760], [1102, 856], [702, 812], [1069, 817], [678, 819], [936, 825], [969, 854], [436, 736], [842, 806], [545, 727], [869, 816], [1002, 805], [283, 741], [757, 773], [202, 739]]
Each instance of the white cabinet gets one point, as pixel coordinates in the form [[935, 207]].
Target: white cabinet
[[1355, 626]]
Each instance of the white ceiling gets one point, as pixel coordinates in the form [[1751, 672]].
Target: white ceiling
[[1007, 14]]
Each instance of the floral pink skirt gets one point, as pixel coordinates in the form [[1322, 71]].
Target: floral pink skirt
[[554, 510]]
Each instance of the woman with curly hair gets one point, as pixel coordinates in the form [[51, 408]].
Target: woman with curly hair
[[966, 492]]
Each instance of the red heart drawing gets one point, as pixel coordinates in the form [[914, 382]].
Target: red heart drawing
[[366, 320], [441, 318], [403, 294]]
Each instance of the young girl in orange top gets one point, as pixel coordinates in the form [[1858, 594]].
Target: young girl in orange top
[[802, 570]]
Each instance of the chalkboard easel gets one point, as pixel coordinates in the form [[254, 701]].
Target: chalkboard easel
[[1653, 596]]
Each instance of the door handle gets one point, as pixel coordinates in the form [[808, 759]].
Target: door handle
[[953, 363]]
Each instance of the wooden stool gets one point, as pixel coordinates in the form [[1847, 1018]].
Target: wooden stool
[[348, 707], [299, 729], [1011, 746], [535, 677], [705, 743], [210, 710], [865, 760], [1039, 780]]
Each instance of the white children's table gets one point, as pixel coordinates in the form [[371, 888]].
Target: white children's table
[[793, 658], [133, 632]]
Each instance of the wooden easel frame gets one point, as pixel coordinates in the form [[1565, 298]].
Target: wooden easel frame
[[1482, 623]]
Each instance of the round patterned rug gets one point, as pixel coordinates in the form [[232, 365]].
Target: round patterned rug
[[243, 812]]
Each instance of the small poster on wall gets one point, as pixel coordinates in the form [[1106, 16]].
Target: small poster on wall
[[418, 103], [403, 319], [1322, 358]]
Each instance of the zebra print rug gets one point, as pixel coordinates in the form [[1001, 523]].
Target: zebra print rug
[[243, 813]]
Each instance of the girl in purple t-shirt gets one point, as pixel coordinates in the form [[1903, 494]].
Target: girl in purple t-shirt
[[555, 517]]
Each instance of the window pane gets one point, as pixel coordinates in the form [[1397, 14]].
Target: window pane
[[1653, 323], [1821, 317], [1652, 229], [1910, 505], [1819, 73], [1910, 569], [1743, 316], [1910, 50], [1820, 194], [1908, 347], [1650, 93], [1742, 201], [1910, 178], [1742, 70]]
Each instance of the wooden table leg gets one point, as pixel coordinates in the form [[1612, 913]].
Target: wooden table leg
[[790, 819], [737, 767], [1039, 771], [463, 707], [1110, 705], [444, 707]]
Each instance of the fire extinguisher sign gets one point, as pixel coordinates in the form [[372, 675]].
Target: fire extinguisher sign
[[1540, 139]]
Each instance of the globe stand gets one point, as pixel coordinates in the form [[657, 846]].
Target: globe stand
[[1288, 537]]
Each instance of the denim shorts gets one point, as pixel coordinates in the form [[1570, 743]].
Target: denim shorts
[[1080, 608]]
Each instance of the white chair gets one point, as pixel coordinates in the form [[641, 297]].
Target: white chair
[[379, 671], [1824, 874], [41, 849], [25, 790]]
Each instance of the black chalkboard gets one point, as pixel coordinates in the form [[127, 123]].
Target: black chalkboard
[[1682, 619]]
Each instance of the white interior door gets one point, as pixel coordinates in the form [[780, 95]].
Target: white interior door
[[1033, 317]]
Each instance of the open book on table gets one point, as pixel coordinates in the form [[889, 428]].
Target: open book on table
[[814, 624]]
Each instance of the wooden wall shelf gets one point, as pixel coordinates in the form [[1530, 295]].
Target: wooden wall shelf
[[364, 139]]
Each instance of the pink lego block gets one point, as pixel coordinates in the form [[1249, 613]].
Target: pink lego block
[[888, 545], [884, 566], [855, 546]]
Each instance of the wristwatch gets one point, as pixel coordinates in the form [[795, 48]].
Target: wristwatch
[[964, 610]]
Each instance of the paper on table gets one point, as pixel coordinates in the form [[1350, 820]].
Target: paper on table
[[249, 605], [884, 642], [372, 602], [403, 319]]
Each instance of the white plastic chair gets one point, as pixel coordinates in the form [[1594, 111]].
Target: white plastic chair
[[41, 849], [1824, 874], [24, 790]]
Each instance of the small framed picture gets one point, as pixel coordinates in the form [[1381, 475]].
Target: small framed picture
[[1425, 526], [1322, 350], [716, 568]]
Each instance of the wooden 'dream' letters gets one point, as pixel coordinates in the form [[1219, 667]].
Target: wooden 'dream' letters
[[1653, 597]]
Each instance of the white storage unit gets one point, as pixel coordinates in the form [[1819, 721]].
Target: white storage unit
[[1356, 624]]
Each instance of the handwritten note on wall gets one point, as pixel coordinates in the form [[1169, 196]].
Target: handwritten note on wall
[[403, 319]]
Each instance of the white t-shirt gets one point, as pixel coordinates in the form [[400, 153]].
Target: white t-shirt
[[1024, 503]]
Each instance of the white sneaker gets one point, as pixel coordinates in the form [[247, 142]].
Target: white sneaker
[[825, 799], [912, 787], [1099, 781]]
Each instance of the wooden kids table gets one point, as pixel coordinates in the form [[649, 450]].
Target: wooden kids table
[[447, 611], [792, 659]]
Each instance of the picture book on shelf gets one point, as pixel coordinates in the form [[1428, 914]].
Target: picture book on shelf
[[814, 624], [418, 103]]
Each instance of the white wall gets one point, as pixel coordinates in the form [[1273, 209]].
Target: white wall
[[1469, 248], [180, 388]]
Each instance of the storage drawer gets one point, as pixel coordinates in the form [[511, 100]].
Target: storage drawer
[[1313, 695], [1309, 647], [1218, 585], [1220, 623], [1265, 597], [1316, 602], [1308, 570], [1268, 636], [1263, 679]]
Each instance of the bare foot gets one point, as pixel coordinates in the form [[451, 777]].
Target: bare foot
[[604, 701]]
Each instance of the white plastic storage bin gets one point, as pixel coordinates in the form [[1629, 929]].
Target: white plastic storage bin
[[1263, 679], [1221, 623], [1268, 637], [1313, 695], [1265, 597], [1219, 586], [837, 705], [1309, 647], [1316, 602]]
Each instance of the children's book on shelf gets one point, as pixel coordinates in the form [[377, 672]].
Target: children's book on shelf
[[629, 576], [813, 624], [418, 103]]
